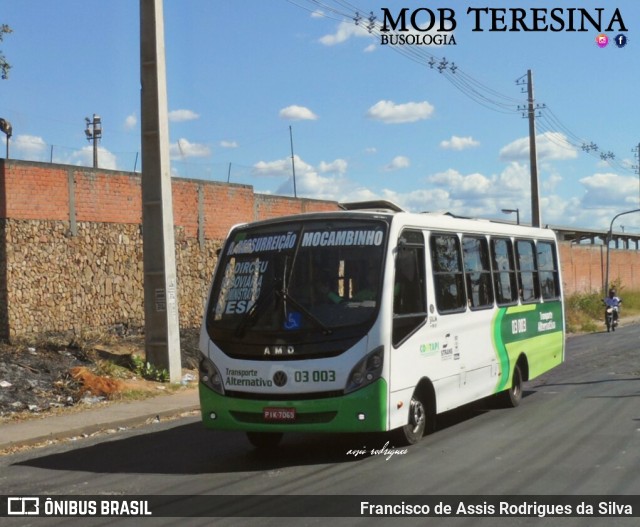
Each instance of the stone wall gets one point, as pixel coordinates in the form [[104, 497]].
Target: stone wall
[[71, 244], [58, 282]]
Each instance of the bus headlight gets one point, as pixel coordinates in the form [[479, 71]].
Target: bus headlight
[[210, 376], [368, 370]]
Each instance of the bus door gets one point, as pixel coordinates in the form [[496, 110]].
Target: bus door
[[409, 312]]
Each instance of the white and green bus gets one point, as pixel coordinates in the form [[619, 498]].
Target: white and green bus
[[374, 319]]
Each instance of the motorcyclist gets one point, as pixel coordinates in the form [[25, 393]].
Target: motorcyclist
[[613, 301]]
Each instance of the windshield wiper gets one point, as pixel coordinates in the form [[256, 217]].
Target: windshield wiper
[[283, 293], [254, 314]]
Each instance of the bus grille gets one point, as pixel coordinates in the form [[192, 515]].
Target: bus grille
[[283, 397]]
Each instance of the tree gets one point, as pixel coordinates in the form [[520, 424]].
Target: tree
[[4, 65]]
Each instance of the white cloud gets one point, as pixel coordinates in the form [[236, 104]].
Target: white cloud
[[326, 181], [106, 159], [297, 113], [29, 146], [552, 182], [549, 146], [557, 210], [390, 112], [459, 143], [344, 32], [310, 183], [608, 189], [183, 149], [397, 163], [130, 122], [338, 166], [179, 116], [472, 194], [461, 186], [423, 200], [283, 168], [84, 157], [278, 168], [229, 144], [514, 179]]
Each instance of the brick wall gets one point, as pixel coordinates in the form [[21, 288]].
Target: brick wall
[[71, 244], [584, 268]]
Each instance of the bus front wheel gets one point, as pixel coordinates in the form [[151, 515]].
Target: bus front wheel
[[413, 431], [262, 440]]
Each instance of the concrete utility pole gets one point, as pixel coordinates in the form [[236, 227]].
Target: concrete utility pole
[[93, 131], [293, 164], [533, 156], [7, 129], [162, 336], [636, 152]]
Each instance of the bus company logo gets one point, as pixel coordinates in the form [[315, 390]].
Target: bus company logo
[[436, 26], [23, 506], [280, 378], [429, 349], [278, 350], [422, 26]]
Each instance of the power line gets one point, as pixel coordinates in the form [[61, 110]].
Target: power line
[[463, 82]]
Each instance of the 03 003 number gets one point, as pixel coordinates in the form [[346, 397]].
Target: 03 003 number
[[315, 376]]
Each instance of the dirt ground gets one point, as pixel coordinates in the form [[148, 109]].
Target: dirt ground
[[58, 374]]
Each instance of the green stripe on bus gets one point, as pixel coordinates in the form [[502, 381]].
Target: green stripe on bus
[[535, 330], [501, 350]]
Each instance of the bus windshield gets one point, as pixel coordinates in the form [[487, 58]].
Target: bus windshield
[[291, 282]]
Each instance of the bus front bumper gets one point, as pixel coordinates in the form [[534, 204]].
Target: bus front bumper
[[361, 411]]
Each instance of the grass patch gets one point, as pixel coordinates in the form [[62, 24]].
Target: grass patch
[[585, 312]]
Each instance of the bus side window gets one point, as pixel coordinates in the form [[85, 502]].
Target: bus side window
[[409, 294], [504, 276], [447, 273], [527, 271], [475, 255], [548, 271]]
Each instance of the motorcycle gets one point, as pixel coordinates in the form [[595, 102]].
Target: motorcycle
[[611, 317]]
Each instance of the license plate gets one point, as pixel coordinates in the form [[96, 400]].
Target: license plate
[[279, 414]]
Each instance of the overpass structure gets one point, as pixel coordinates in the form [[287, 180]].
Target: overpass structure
[[619, 238]]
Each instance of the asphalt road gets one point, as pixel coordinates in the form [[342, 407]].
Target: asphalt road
[[577, 432]]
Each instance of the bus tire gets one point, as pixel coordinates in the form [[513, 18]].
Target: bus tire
[[413, 431], [513, 396], [262, 440]]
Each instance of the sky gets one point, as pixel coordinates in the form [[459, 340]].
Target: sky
[[259, 89]]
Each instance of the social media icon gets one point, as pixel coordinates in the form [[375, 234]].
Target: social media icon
[[602, 40], [620, 40]]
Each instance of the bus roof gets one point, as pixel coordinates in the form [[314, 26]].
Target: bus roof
[[427, 220]]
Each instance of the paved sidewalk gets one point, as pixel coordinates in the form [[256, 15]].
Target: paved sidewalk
[[94, 419]]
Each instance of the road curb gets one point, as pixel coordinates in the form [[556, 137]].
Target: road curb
[[94, 419]]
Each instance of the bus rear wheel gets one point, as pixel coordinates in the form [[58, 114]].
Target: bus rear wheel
[[513, 396], [262, 440]]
